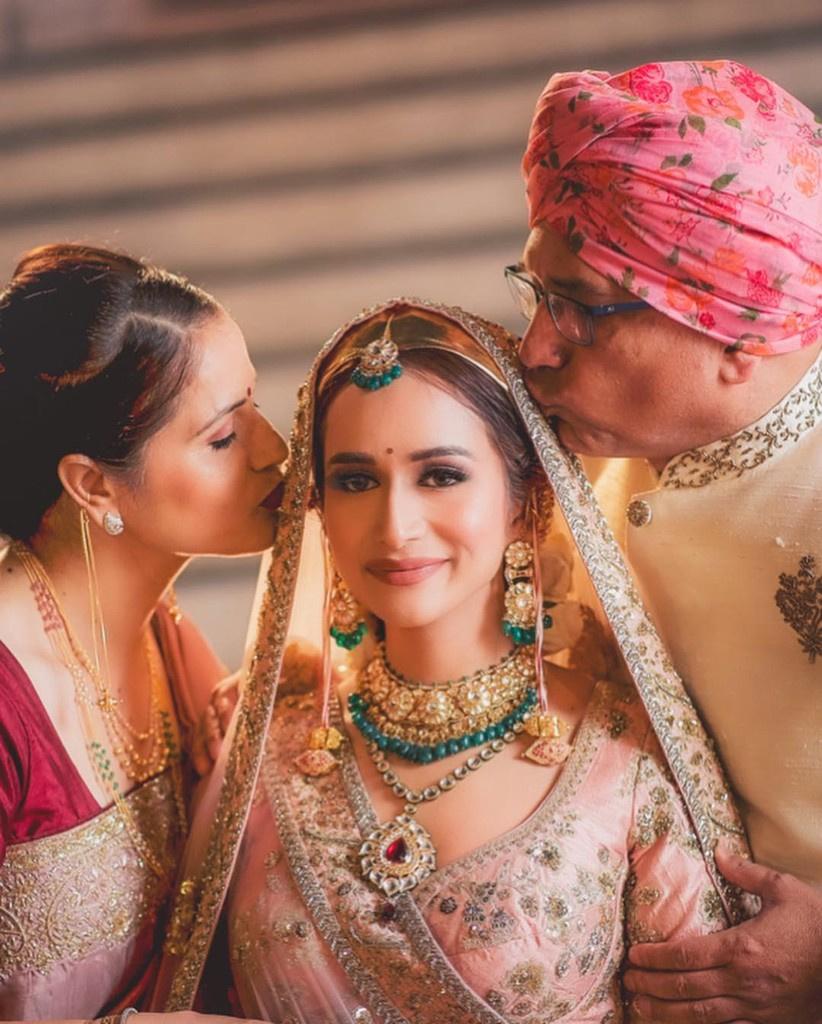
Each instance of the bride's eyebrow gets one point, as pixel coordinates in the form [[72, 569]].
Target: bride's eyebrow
[[440, 453], [352, 458]]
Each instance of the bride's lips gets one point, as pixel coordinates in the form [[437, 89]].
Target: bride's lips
[[404, 572], [274, 498]]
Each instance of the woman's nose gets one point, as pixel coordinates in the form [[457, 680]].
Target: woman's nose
[[402, 520], [268, 448]]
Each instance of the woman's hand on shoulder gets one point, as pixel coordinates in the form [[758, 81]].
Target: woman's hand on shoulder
[[214, 722]]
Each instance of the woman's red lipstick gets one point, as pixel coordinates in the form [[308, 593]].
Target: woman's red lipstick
[[274, 498], [404, 572]]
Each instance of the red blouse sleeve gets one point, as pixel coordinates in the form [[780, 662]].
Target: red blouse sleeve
[[14, 753], [41, 791]]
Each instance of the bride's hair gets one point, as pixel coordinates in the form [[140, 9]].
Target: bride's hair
[[94, 352], [467, 384]]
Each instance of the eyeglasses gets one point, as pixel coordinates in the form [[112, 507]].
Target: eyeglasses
[[574, 320]]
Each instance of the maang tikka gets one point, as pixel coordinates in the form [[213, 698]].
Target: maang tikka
[[378, 363]]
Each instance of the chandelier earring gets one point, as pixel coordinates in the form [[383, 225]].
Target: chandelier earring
[[346, 623], [520, 617], [113, 523]]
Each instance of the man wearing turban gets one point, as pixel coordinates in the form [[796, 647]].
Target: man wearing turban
[[672, 282]]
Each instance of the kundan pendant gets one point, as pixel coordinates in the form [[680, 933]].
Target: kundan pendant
[[398, 855], [550, 748]]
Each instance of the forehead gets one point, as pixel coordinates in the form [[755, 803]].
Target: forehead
[[547, 256], [221, 374], [221, 354], [409, 414]]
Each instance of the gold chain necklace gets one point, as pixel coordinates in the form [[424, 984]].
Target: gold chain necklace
[[136, 764], [71, 655]]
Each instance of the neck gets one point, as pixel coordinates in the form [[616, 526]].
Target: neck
[[131, 582], [465, 641], [774, 377]]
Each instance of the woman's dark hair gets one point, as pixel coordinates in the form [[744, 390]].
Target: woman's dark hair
[[473, 388], [95, 348]]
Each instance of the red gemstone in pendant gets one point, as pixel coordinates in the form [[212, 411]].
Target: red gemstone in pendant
[[397, 851]]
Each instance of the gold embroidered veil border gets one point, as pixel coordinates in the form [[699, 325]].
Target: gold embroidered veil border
[[688, 749]]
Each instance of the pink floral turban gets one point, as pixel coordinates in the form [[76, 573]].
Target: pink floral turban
[[695, 185]]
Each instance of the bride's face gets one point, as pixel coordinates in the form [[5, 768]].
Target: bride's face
[[415, 502]]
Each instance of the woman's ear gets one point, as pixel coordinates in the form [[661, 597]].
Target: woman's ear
[[87, 486]]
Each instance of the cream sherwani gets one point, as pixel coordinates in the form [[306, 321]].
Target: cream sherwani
[[727, 547]]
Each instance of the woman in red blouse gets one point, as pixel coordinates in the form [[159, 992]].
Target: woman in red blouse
[[129, 442]]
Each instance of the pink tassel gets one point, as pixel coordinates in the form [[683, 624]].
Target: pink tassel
[[325, 716], [539, 630]]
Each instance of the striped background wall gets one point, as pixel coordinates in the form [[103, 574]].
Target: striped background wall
[[304, 158]]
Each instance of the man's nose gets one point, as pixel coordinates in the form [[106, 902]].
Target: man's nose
[[542, 344]]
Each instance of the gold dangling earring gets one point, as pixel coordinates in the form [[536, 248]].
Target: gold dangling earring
[[106, 701], [520, 610], [324, 740], [346, 625], [550, 748]]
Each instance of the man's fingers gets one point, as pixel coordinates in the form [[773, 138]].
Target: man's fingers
[[679, 985], [700, 953], [754, 878], [701, 1011]]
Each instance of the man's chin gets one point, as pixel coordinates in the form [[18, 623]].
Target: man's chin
[[569, 438], [581, 441]]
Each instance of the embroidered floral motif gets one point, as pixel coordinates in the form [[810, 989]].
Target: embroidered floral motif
[[66, 896], [799, 599], [798, 412]]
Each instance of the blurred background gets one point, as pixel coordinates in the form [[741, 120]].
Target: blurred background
[[305, 158]]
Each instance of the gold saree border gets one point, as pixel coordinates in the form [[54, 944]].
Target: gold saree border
[[65, 896], [672, 713], [200, 900]]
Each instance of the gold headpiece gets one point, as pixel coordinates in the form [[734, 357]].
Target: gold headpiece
[[374, 345]]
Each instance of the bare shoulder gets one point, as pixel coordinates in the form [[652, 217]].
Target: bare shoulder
[[20, 627]]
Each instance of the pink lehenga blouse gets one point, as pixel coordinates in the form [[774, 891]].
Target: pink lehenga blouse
[[529, 928]]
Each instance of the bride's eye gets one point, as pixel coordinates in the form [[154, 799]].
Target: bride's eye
[[352, 483], [442, 476]]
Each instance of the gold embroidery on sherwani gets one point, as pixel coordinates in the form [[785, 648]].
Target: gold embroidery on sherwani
[[64, 896], [798, 412], [799, 599]]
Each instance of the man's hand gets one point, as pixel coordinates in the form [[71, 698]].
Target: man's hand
[[767, 970]]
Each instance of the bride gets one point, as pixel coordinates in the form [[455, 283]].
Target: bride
[[454, 828]]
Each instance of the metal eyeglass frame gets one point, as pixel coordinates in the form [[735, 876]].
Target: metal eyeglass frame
[[587, 313]]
